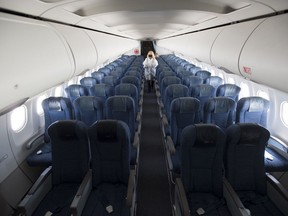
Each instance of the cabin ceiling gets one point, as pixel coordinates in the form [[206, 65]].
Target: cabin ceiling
[[145, 19]]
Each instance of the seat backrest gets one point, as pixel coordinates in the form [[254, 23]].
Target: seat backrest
[[88, 109], [102, 91], [110, 150], [228, 90], [88, 81], [244, 157], [219, 111], [132, 80], [203, 74], [195, 69], [129, 90], [191, 80], [166, 81], [215, 81], [70, 151], [253, 110], [164, 74], [121, 107], [134, 73], [184, 112], [110, 80], [202, 147], [74, 91], [174, 91], [98, 76], [56, 108], [202, 92]]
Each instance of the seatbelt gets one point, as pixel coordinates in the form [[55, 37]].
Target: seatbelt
[[210, 208], [104, 201]]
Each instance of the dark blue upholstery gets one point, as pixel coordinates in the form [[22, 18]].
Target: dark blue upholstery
[[174, 91], [74, 91], [70, 163], [184, 112], [228, 90], [102, 91], [202, 92], [202, 147], [98, 76], [89, 82], [191, 80], [163, 74], [203, 74], [166, 81], [253, 110], [88, 109], [215, 81], [55, 108], [120, 107], [134, 73], [110, 150], [244, 166], [132, 80], [110, 80], [129, 90], [219, 111]]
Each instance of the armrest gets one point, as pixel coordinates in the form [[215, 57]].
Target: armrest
[[234, 203], [131, 189], [35, 141], [37, 192], [181, 202], [136, 140], [82, 194], [165, 126], [170, 145], [278, 186]]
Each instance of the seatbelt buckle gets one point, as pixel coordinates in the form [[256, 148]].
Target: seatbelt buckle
[[200, 211], [48, 213], [109, 209]]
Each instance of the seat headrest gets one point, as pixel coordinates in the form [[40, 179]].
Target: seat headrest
[[107, 130], [207, 135]]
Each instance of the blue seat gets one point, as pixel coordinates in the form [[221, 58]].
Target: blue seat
[[253, 110], [88, 109], [98, 76], [215, 81], [191, 80], [228, 90], [88, 82], [129, 90], [171, 92], [219, 111], [55, 109], [121, 107], [203, 74], [110, 80], [102, 91], [112, 190], [202, 92], [74, 91], [184, 111], [244, 167], [201, 183], [56, 187], [135, 81]]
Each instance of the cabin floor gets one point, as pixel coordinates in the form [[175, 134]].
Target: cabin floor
[[153, 193]]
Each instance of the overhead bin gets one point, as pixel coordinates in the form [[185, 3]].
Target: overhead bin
[[197, 45], [264, 58], [81, 45], [229, 43], [33, 58]]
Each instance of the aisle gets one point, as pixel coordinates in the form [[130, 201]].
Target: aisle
[[153, 186]]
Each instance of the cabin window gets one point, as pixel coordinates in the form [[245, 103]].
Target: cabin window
[[231, 80], [284, 113], [58, 91], [18, 118], [263, 94], [39, 107], [244, 90]]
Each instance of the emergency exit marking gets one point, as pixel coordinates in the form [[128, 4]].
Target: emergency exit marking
[[247, 70]]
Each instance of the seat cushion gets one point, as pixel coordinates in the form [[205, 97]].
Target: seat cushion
[[41, 157], [107, 194], [278, 164]]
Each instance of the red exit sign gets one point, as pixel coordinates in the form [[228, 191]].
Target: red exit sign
[[247, 70]]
